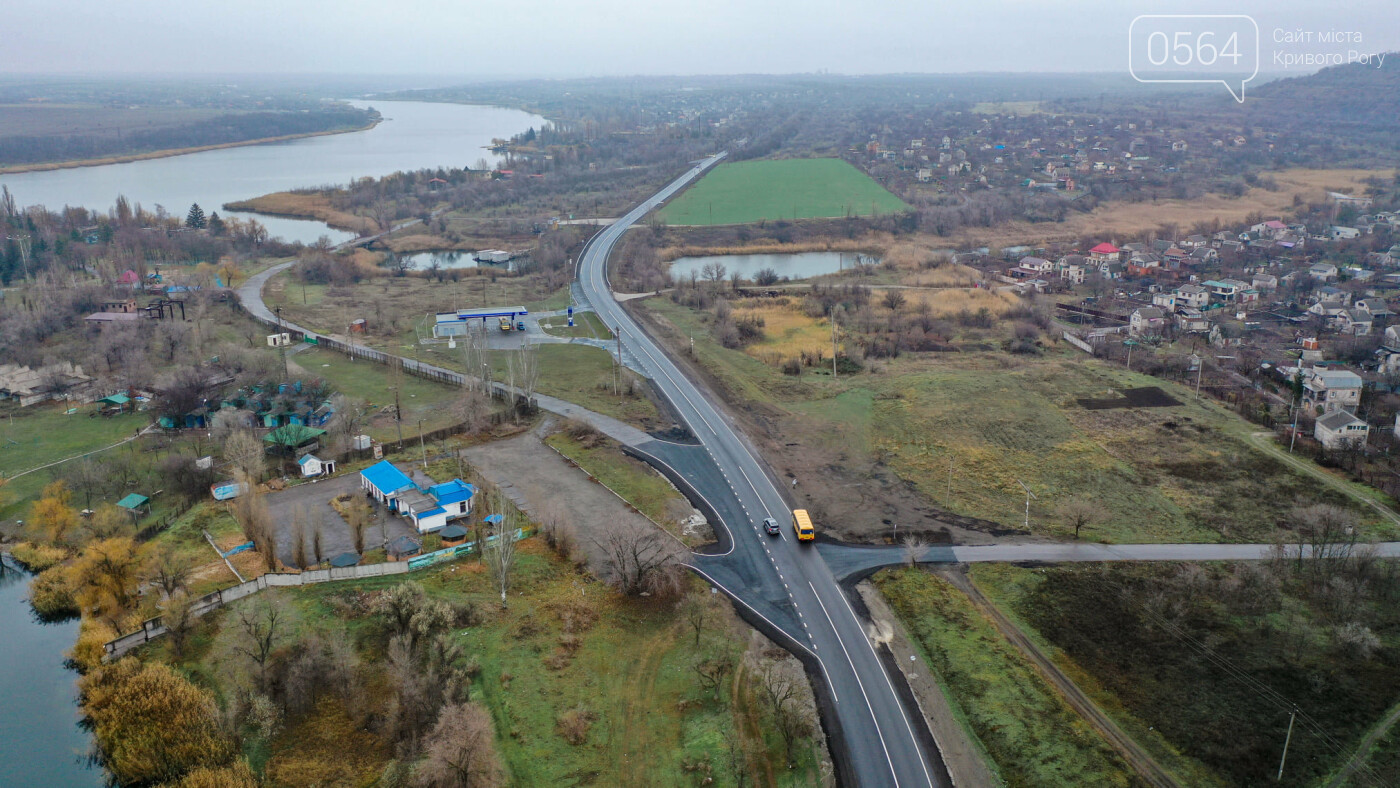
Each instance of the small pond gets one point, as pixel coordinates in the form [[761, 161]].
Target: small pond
[[801, 265]]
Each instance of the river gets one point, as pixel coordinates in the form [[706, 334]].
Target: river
[[413, 135], [40, 741]]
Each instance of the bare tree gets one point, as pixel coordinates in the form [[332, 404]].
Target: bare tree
[[914, 549], [1326, 540], [250, 510], [351, 415], [259, 633], [168, 571], [499, 551], [460, 752], [299, 537], [712, 671], [246, 454], [780, 693], [1080, 513], [359, 516], [639, 558], [698, 610]]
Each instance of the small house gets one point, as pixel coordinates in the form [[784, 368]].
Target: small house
[[311, 465], [1340, 430], [454, 535]]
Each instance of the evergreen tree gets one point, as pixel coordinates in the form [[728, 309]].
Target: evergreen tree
[[216, 225], [195, 218]]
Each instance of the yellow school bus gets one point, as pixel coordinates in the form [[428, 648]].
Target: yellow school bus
[[802, 525]]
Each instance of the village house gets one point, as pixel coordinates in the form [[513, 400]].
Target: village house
[[1325, 272], [1193, 296], [1355, 322], [1104, 253], [1165, 299], [1331, 390], [1146, 320], [1340, 430], [1191, 321]]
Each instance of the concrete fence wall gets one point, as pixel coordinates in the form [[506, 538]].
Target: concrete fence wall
[[153, 628], [1079, 343]]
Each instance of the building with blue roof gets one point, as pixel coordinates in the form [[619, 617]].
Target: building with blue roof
[[428, 509], [385, 483]]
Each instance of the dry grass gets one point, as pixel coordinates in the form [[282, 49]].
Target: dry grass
[[949, 302], [1127, 220], [305, 206], [789, 332], [943, 276]]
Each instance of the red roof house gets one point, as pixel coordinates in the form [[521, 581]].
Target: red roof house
[[1104, 251]]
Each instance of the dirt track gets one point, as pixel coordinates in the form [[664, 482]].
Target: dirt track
[[1141, 761]]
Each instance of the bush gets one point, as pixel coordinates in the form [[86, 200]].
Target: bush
[[51, 596], [792, 366], [574, 725], [151, 723], [765, 277], [38, 557]]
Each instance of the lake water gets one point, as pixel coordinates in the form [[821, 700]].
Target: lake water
[[422, 261], [40, 741], [801, 265], [414, 135]]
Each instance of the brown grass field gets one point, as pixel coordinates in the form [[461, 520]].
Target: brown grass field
[[1126, 220]]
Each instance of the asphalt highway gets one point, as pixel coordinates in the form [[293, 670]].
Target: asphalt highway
[[878, 740]]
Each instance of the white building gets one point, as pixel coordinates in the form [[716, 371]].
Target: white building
[[1339, 429]]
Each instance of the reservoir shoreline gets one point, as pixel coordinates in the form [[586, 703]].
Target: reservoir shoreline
[[168, 152]]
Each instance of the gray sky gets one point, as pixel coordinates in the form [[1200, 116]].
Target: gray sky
[[610, 37]]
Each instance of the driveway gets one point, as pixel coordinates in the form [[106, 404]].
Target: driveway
[[313, 498]]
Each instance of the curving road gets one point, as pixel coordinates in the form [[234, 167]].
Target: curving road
[[875, 738]]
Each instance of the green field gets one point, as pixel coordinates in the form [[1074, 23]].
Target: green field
[[419, 398], [752, 191], [43, 434]]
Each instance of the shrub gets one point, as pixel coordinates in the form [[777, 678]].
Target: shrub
[[151, 723], [38, 557], [792, 366], [574, 725], [51, 596]]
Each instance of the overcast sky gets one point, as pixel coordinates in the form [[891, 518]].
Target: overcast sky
[[611, 37]]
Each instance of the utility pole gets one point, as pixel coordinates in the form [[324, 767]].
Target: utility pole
[[617, 370], [948, 502], [422, 445], [1029, 496], [1292, 439], [833, 342], [1200, 365], [1286, 740]]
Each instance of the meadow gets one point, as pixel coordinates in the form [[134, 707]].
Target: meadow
[[752, 191]]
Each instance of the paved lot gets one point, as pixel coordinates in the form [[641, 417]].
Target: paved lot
[[544, 485], [314, 499]]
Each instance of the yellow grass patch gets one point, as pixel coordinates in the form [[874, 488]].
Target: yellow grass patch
[[790, 332], [305, 206], [943, 276], [946, 303]]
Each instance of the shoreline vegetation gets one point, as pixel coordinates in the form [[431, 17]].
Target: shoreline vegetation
[[127, 158], [304, 205]]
